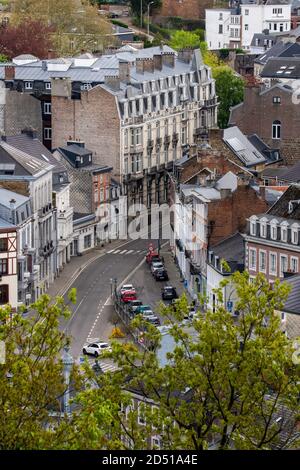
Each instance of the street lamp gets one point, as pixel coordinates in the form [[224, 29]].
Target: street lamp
[[149, 4], [68, 362], [141, 13]]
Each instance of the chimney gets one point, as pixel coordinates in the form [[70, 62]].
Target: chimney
[[9, 72], [158, 62], [124, 71], [185, 55], [139, 63], [112, 81], [168, 59], [44, 65], [149, 65], [12, 204], [51, 54], [32, 133], [225, 193]]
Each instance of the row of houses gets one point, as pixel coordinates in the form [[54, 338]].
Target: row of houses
[[223, 211]]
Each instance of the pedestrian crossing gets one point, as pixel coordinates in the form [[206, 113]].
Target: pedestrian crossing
[[126, 252], [105, 364]]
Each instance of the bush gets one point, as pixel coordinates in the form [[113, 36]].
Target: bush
[[119, 23], [117, 333]]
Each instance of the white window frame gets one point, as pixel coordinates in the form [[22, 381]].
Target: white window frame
[[261, 270], [46, 133], [273, 228], [254, 266], [283, 234], [48, 86], [253, 228], [273, 272], [28, 85], [296, 260], [153, 439], [281, 264], [263, 229], [294, 233], [143, 421], [47, 107], [276, 130]]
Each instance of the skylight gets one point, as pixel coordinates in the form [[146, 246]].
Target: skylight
[[45, 158]]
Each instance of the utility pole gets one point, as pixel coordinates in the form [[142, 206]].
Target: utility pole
[[141, 13], [149, 4]]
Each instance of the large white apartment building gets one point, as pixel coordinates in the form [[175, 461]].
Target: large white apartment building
[[235, 27]]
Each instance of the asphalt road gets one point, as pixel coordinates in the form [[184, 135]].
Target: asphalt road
[[93, 313]]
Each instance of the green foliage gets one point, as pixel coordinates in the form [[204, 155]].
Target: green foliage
[[136, 6], [230, 91], [119, 23], [3, 58], [184, 39]]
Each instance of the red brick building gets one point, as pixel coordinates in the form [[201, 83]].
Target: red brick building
[[273, 239]]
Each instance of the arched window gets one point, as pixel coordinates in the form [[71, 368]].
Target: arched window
[[276, 130]]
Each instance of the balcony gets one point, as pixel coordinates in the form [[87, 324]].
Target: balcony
[[158, 141], [135, 176], [201, 132], [150, 144], [45, 210], [175, 138], [47, 249], [210, 103]]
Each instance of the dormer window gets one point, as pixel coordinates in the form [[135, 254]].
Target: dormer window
[[263, 229], [28, 85], [253, 228], [294, 234], [284, 234]]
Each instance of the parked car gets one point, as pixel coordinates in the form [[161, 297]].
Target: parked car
[[142, 308], [154, 320], [147, 313], [128, 296], [151, 256], [126, 288], [96, 348], [169, 293], [161, 275], [134, 304], [156, 265]]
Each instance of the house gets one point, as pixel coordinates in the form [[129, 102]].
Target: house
[[235, 27], [261, 42], [279, 126], [8, 264], [30, 177], [290, 314], [204, 215], [282, 176], [272, 242], [281, 49], [283, 69], [232, 251], [28, 141]]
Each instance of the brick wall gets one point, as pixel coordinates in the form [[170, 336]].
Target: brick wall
[[191, 9], [257, 114], [227, 216], [94, 119], [20, 187]]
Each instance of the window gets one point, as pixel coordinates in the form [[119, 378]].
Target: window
[[47, 133], [252, 259], [220, 29], [276, 130], [28, 85], [3, 266], [295, 236], [246, 27], [275, 26], [126, 138], [246, 12], [48, 85], [262, 261], [3, 244], [273, 264], [283, 234], [4, 294], [86, 86], [294, 264], [47, 108], [263, 230], [183, 135], [220, 16], [138, 136], [276, 99], [149, 132], [253, 228], [283, 264], [155, 442], [274, 232], [87, 241], [141, 414]]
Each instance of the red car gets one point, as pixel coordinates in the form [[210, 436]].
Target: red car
[[128, 296]]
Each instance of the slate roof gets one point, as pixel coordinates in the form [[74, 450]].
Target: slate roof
[[31, 164], [282, 67], [280, 49], [292, 304], [240, 145], [281, 207], [4, 224], [232, 250], [35, 148], [261, 39], [6, 196]]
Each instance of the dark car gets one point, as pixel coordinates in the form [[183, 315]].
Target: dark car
[[134, 304], [169, 293], [161, 275]]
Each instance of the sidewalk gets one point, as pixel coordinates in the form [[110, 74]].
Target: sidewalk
[[174, 273], [65, 278]]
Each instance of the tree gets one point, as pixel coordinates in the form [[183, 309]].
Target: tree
[[184, 39], [224, 384], [76, 24], [31, 379], [136, 6], [30, 37], [230, 91]]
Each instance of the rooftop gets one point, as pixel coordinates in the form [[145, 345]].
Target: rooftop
[[282, 67], [242, 147], [6, 196]]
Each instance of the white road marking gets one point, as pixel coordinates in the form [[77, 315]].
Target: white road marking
[[130, 251], [115, 252]]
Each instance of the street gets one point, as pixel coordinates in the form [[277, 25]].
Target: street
[[92, 316]]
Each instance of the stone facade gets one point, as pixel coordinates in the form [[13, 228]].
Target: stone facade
[[258, 113]]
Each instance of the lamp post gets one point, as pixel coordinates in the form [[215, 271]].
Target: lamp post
[[68, 362], [141, 13], [149, 4]]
